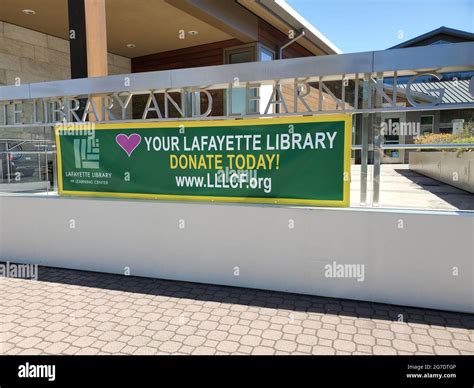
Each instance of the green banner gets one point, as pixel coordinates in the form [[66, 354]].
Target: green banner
[[300, 161]]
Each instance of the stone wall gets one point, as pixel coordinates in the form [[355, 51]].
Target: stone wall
[[36, 57]]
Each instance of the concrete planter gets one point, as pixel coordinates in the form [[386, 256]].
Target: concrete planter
[[445, 167]]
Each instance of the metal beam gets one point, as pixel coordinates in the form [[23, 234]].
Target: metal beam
[[425, 58], [447, 57]]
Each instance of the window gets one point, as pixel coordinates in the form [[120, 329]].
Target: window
[[391, 139], [266, 54], [241, 54], [426, 124], [240, 95]]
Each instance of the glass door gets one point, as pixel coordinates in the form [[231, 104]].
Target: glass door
[[392, 135]]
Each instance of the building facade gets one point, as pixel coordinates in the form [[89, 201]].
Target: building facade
[[446, 88], [143, 36]]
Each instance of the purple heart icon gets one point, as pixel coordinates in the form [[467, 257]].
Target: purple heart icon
[[128, 143]]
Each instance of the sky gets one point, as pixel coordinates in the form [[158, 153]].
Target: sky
[[368, 25]]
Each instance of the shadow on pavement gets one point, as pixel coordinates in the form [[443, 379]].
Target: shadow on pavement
[[463, 200], [259, 298]]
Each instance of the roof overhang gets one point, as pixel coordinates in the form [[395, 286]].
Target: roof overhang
[[281, 15], [468, 36], [152, 26]]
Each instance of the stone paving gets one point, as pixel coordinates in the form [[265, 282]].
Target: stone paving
[[75, 312]]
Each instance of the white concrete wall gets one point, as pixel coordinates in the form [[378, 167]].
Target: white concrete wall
[[36, 57], [411, 266], [448, 167]]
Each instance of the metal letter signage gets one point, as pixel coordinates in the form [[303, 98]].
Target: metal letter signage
[[295, 161]]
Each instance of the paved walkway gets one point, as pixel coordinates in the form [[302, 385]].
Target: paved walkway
[[402, 188], [399, 188], [73, 312]]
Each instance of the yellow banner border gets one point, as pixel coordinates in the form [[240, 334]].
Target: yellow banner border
[[345, 202]]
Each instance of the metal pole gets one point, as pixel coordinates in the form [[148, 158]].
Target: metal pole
[[280, 51], [38, 155], [8, 163], [55, 173], [46, 165], [377, 157], [365, 140], [377, 121], [188, 103]]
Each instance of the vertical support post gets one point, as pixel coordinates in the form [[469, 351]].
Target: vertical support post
[[356, 106], [188, 108], [366, 99], [96, 32], [228, 100], [55, 173], [196, 101], [88, 41], [377, 121], [8, 163], [77, 38], [343, 93], [39, 166], [356, 95], [46, 167]]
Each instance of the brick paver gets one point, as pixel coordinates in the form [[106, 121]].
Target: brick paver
[[75, 312]]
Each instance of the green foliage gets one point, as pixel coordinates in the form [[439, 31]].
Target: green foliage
[[466, 136]]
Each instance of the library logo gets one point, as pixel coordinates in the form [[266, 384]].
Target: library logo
[[87, 153]]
